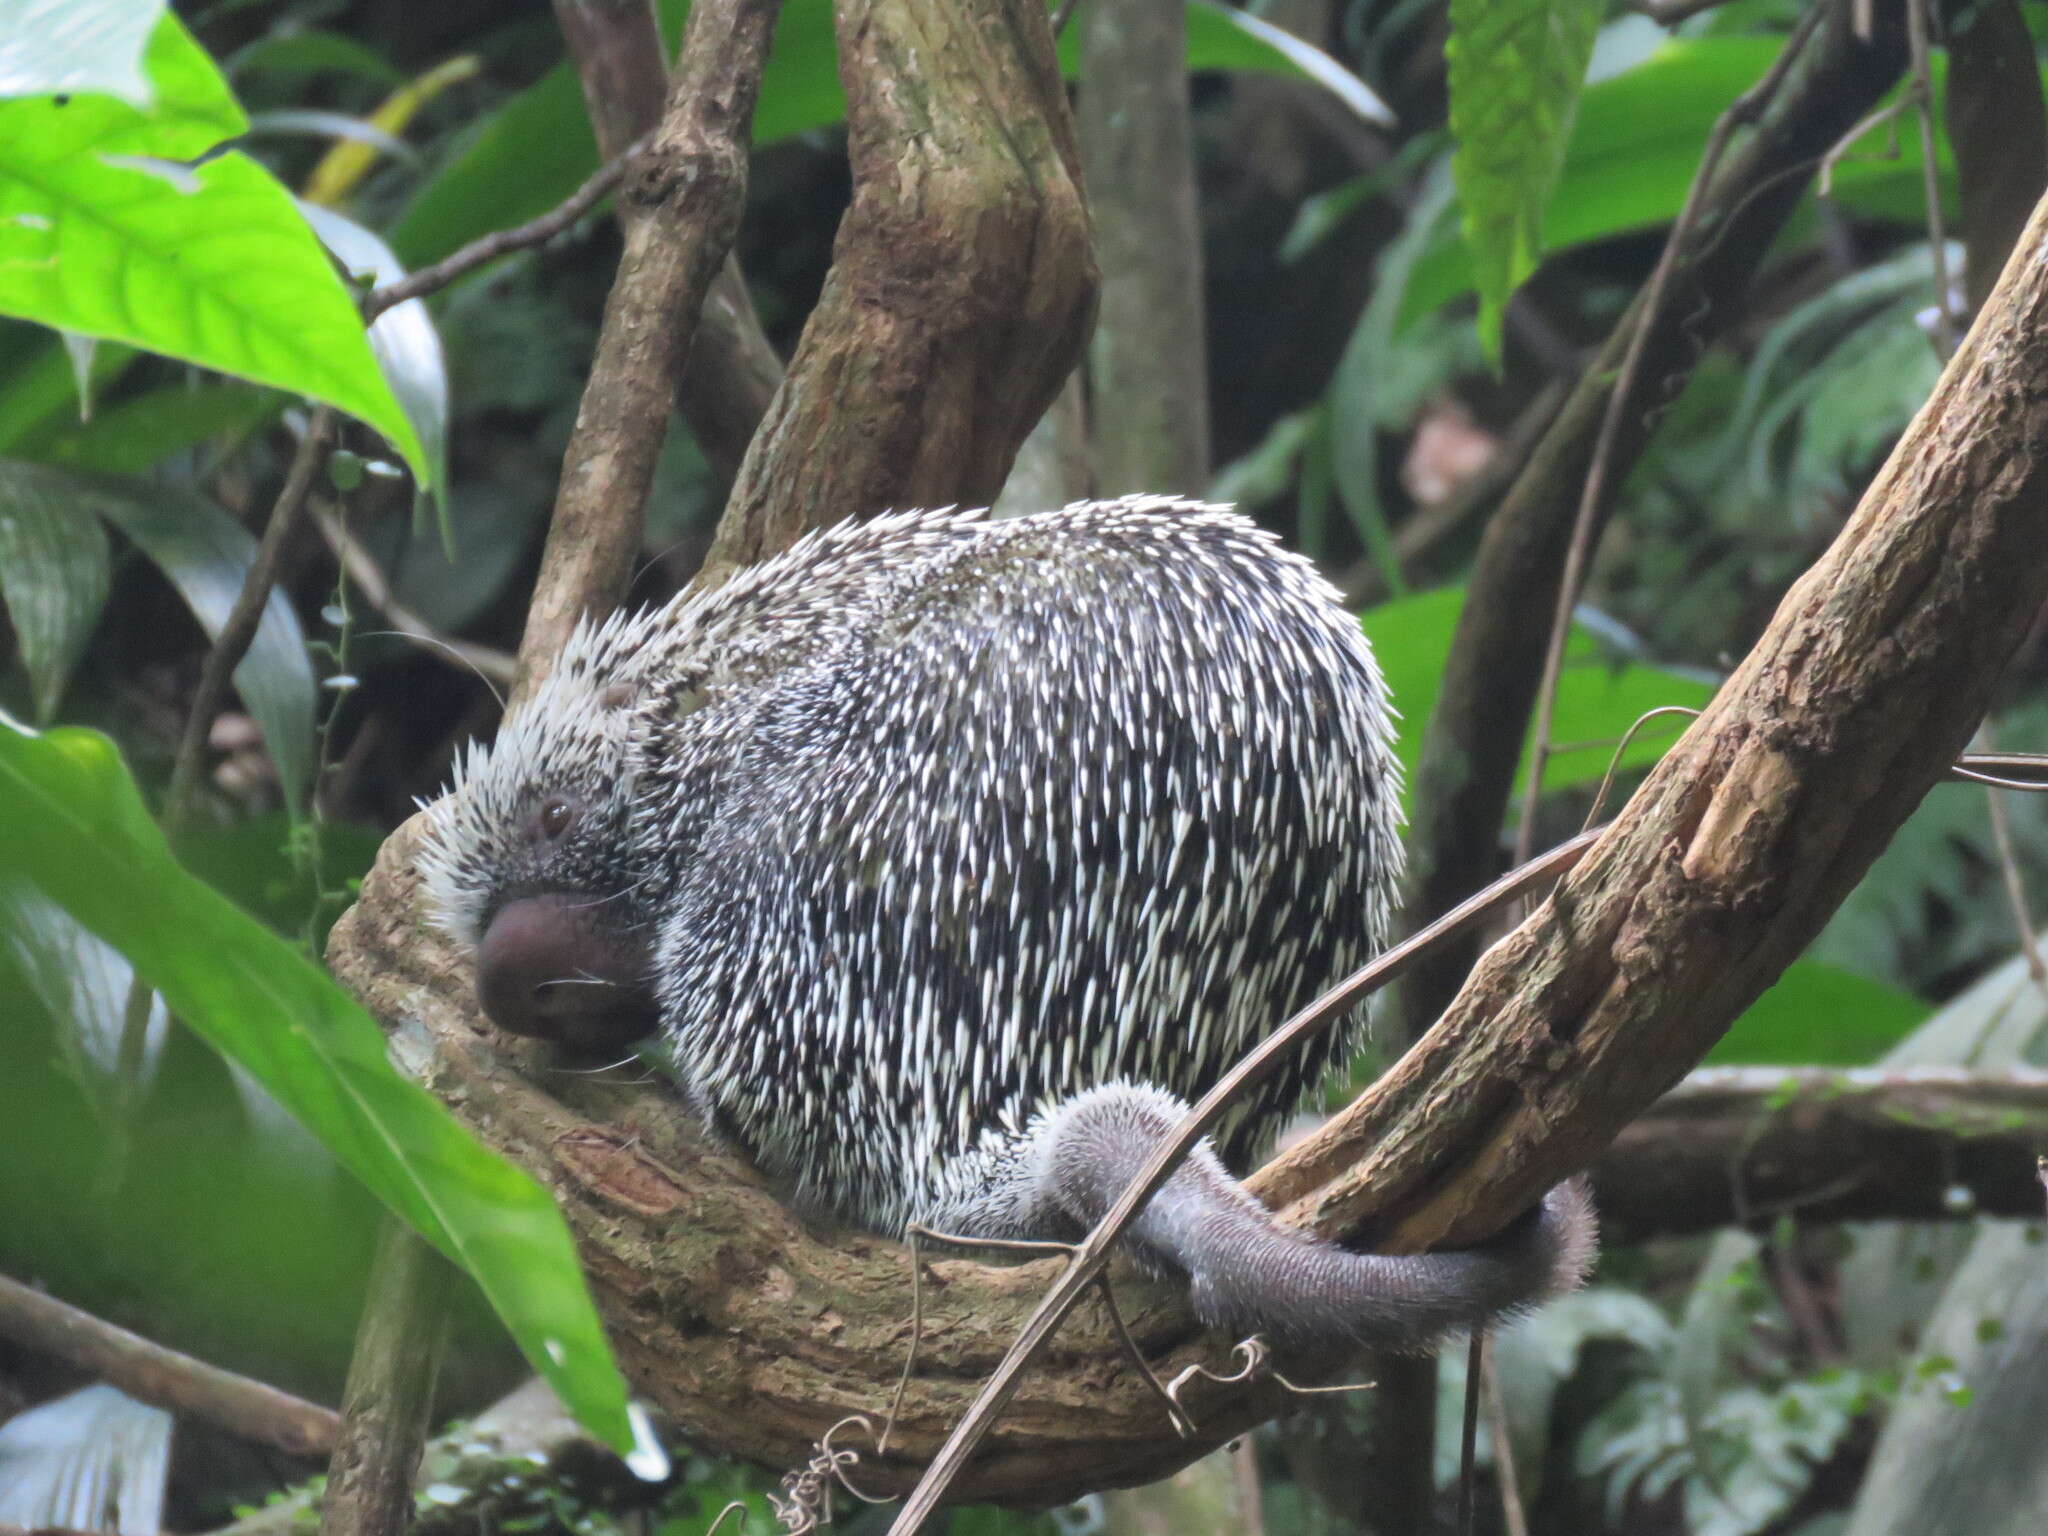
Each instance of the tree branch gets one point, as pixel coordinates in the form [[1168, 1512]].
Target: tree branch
[[1869, 680], [1743, 1145], [1473, 743], [682, 203], [730, 371], [150, 1373], [962, 279]]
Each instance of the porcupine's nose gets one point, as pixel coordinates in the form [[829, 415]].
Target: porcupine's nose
[[548, 968]]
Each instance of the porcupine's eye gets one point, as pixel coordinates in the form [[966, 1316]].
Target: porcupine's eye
[[555, 817]]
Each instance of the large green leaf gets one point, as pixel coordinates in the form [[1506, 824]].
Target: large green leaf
[[76, 45], [73, 825], [1820, 1015], [53, 580], [538, 147], [1599, 694], [116, 223], [1516, 69]]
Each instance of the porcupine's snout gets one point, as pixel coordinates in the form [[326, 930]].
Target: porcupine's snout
[[550, 967]]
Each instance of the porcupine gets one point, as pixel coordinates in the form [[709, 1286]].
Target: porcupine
[[951, 855]]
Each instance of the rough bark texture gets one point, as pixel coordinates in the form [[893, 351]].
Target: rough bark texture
[[962, 280], [1475, 733], [1745, 1145], [750, 1331], [731, 370], [1148, 360], [680, 207], [1870, 679]]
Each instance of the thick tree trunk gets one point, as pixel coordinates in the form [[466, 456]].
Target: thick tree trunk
[[962, 282]]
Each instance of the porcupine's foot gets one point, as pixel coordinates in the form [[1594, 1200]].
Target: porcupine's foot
[[1250, 1274]]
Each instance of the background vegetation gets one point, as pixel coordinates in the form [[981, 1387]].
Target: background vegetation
[[1417, 224]]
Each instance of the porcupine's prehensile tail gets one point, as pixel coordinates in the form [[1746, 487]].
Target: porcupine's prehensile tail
[[1252, 1275]]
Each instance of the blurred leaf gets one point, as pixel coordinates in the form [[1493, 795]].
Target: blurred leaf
[[1265, 472], [205, 554], [210, 262], [312, 53], [1356, 409], [1220, 37], [39, 397], [538, 147], [1516, 70], [343, 166], [250, 862], [1820, 1015], [128, 1211], [1636, 146], [76, 45], [72, 823], [53, 578], [407, 346], [140, 433], [81, 981], [331, 125], [1598, 698]]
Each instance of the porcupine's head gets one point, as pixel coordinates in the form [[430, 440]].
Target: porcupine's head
[[529, 860]]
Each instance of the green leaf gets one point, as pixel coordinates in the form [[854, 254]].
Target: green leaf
[[538, 148], [205, 554], [140, 433], [107, 231], [39, 398], [407, 347], [1820, 1015], [1636, 145], [76, 45], [1599, 695], [53, 578], [312, 53], [72, 824], [1516, 69]]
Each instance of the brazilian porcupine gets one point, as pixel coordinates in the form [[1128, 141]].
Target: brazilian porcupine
[[947, 853]]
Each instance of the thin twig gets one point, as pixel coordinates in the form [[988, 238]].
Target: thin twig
[[1468, 1432], [1743, 110], [1512, 1514], [2009, 867], [236, 635], [150, 1373], [1093, 1252], [1244, 1472], [494, 666], [488, 248], [226, 653]]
